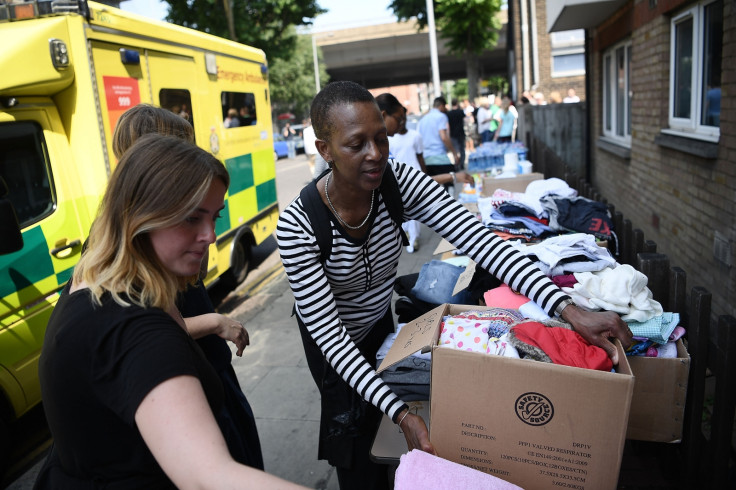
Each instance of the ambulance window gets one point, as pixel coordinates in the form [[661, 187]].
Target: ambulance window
[[238, 109], [24, 168], [177, 101]]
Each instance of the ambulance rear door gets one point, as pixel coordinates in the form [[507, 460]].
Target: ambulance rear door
[[40, 173]]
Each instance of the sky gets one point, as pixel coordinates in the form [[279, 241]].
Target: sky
[[342, 14]]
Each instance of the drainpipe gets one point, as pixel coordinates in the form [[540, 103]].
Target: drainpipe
[[588, 107], [524, 45], [535, 46]]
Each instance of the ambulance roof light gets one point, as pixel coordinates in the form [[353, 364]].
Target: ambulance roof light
[[130, 57], [27, 9]]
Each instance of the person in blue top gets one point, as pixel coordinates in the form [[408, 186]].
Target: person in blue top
[[435, 130], [507, 117]]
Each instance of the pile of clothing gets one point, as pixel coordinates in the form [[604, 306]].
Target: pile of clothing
[[505, 332], [547, 207], [595, 281]]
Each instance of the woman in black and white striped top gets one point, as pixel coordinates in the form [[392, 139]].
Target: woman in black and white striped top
[[343, 305]]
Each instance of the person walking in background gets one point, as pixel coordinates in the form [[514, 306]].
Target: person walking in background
[[310, 149], [456, 118], [435, 130], [469, 126], [507, 118], [128, 395], [571, 97], [485, 119], [405, 145], [290, 137]]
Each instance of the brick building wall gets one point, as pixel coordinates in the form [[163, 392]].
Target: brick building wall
[[684, 202], [543, 81], [408, 95]]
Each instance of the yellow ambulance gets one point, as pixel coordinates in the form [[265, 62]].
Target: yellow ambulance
[[68, 70]]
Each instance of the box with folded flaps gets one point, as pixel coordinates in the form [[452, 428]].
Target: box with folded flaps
[[658, 402], [535, 424], [512, 184]]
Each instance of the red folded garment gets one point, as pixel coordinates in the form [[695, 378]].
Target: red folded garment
[[563, 346]]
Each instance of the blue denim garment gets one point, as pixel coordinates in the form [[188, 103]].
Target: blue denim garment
[[437, 280]]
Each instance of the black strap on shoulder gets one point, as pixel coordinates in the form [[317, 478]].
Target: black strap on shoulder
[[313, 206], [392, 198]]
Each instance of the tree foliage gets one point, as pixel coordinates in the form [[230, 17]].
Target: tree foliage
[[292, 81], [263, 24], [468, 26]]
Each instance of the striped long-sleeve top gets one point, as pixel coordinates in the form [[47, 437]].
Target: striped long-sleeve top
[[341, 300]]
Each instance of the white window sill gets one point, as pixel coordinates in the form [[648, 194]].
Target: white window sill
[[614, 146], [710, 138], [693, 144]]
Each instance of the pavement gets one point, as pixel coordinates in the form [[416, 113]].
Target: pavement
[[274, 375]]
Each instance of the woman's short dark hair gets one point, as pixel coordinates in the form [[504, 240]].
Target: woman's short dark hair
[[387, 102], [334, 94]]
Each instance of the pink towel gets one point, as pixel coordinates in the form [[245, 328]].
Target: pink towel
[[422, 471]]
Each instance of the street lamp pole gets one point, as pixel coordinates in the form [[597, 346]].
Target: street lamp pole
[[316, 63], [433, 49]]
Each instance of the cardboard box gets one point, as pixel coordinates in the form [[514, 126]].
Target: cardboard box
[[658, 402], [534, 424], [513, 184]]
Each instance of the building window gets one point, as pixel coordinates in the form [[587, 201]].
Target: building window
[[568, 53], [695, 70], [617, 93]]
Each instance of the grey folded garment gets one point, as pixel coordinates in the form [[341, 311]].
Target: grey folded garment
[[409, 379]]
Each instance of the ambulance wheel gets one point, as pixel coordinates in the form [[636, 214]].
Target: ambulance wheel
[[239, 263]]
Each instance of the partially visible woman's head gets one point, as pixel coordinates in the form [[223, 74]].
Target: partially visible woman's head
[[506, 101], [145, 119], [160, 182], [392, 111], [334, 94]]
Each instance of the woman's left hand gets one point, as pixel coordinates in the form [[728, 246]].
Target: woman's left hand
[[234, 331], [416, 433], [464, 178], [598, 327]]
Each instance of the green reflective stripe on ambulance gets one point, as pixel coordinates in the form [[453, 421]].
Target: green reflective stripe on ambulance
[[252, 189], [222, 225], [63, 276], [266, 194], [27, 266], [241, 173]]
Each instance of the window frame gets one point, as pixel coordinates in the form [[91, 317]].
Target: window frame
[[566, 47], [44, 167], [609, 88], [690, 126], [248, 99]]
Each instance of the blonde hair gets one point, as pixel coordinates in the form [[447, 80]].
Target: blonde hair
[[158, 183], [146, 119]]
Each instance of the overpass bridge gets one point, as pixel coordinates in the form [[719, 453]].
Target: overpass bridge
[[388, 55]]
